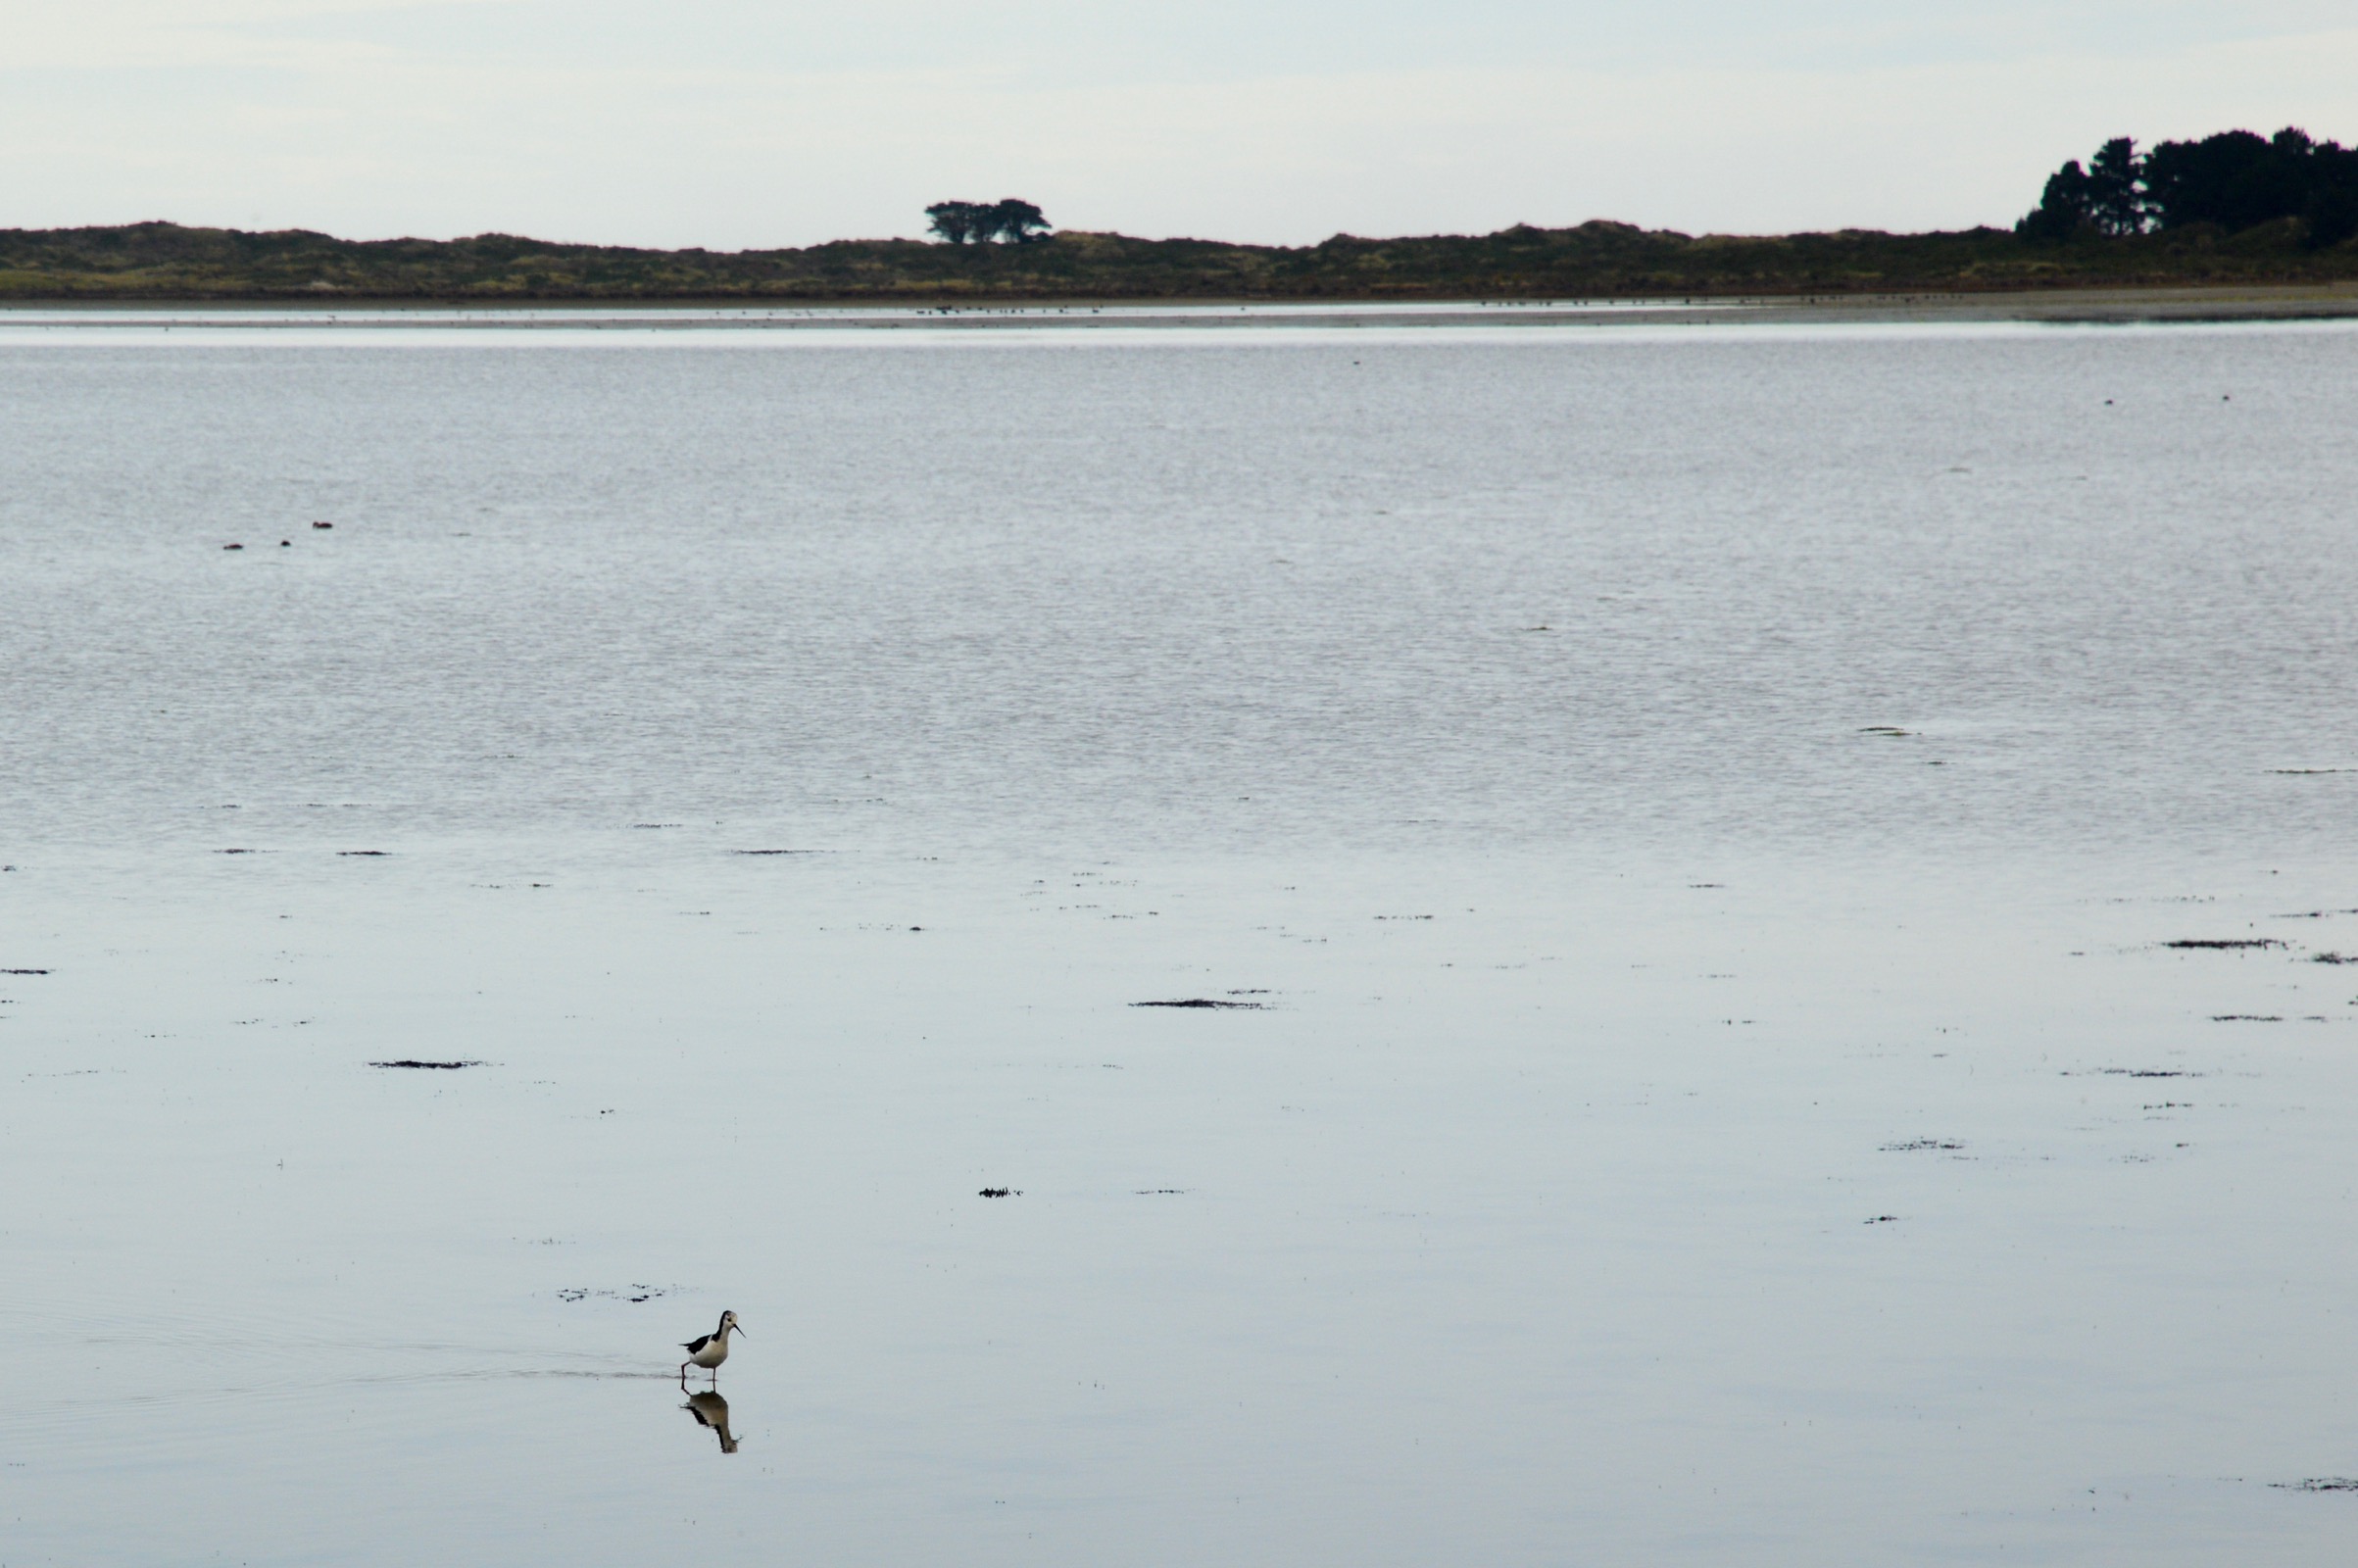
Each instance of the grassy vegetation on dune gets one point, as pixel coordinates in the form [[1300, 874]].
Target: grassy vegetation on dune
[[168, 262]]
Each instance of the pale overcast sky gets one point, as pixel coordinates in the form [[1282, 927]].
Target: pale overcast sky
[[732, 124]]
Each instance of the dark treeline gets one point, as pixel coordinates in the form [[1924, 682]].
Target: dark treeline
[[2232, 182], [2233, 209]]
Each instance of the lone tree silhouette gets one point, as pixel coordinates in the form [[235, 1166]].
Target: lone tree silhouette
[[2116, 188], [1015, 221]]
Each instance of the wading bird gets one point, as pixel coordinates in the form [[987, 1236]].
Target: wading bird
[[709, 1350]]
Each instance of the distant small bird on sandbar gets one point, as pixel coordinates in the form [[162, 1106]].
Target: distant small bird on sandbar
[[709, 1350]]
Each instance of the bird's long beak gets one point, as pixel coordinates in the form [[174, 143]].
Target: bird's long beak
[[739, 1327]]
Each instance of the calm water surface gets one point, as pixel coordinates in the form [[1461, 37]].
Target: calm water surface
[[1699, 814]]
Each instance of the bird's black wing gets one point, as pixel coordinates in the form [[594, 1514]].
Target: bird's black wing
[[697, 1343]]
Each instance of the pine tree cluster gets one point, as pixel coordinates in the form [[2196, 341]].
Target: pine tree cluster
[[2233, 182]]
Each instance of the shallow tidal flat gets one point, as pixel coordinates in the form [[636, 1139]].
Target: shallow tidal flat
[[1774, 899]]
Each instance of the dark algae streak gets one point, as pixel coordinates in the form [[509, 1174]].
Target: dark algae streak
[[1207, 1002]]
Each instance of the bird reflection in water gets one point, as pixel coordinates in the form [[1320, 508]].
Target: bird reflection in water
[[711, 1410]]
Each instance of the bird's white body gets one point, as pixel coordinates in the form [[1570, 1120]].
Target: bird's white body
[[709, 1350]]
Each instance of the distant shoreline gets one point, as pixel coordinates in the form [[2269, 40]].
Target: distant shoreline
[[165, 264], [2224, 303]]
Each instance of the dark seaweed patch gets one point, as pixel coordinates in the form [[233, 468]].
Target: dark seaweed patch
[[1915, 1143], [1001, 1191], [2224, 943], [1204, 1002], [440, 1067]]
